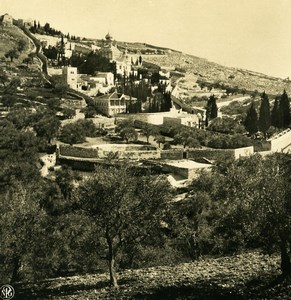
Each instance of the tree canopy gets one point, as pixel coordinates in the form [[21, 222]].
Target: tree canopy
[[126, 208]]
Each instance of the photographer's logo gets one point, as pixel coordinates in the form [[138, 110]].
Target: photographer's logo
[[7, 292]]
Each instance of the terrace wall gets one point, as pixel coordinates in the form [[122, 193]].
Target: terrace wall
[[172, 154], [219, 154], [281, 141]]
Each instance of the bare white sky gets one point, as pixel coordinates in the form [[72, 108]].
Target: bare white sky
[[252, 34]]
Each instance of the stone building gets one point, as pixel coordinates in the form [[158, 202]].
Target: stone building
[[124, 62], [70, 77], [6, 20], [112, 104]]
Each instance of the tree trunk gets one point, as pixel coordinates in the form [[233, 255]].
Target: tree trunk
[[16, 266], [111, 262], [285, 258], [112, 271]]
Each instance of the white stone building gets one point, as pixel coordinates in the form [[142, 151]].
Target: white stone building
[[6, 20]]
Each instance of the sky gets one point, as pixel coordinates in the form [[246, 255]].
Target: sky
[[250, 34]]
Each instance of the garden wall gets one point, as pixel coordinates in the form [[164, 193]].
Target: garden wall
[[281, 141], [219, 154], [242, 152], [210, 154], [172, 154], [146, 154]]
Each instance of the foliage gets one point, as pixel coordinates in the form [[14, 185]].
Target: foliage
[[126, 130], [160, 140], [284, 111], [21, 224], [68, 113], [275, 115], [21, 45], [66, 150], [148, 130], [61, 90], [125, 208], [47, 127], [264, 115], [18, 155], [226, 125], [245, 204], [51, 52], [12, 54], [211, 108], [76, 132], [251, 120], [186, 137], [93, 62]]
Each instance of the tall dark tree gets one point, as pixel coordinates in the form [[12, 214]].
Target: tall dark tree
[[275, 116], [284, 110], [251, 120], [211, 108], [264, 116]]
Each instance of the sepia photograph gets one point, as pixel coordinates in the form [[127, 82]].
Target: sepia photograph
[[145, 149]]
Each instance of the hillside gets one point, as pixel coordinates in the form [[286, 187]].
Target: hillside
[[207, 71], [202, 69], [9, 38], [246, 276]]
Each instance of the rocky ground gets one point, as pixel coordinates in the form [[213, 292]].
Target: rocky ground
[[207, 71], [245, 276]]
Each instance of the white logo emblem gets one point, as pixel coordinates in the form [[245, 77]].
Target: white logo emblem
[[7, 292]]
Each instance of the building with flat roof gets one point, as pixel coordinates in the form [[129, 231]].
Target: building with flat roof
[[185, 168], [70, 77]]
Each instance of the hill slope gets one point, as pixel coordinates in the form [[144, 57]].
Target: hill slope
[[203, 69], [212, 72], [246, 276], [9, 38]]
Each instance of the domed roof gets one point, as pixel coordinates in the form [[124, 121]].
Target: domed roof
[[108, 36]]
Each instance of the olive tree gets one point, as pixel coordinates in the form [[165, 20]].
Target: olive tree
[[126, 208]]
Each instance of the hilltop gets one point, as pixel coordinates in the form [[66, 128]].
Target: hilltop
[[203, 70]]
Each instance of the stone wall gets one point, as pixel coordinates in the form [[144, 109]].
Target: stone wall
[[242, 152], [183, 172], [172, 154], [219, 154], [210, 154], [281, 141], [138, 154]]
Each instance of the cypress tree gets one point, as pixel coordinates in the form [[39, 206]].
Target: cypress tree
[[264, 117], [284, 110], [211, 108], [275, 116], [251, 120]]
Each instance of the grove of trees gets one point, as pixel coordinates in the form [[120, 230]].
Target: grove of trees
[[278, 116]]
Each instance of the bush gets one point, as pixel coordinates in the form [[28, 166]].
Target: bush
[[77, 132], [167, 146], [66, 150]]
